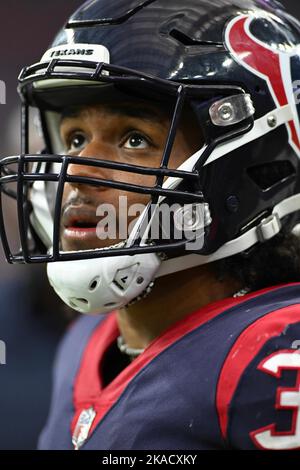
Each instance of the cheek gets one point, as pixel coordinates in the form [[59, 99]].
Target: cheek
[[116, 197], [131, 196], [130, 204], [185, 146]]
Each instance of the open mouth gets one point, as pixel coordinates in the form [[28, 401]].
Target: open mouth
[[82, 229], [79, 222], [82, 226]]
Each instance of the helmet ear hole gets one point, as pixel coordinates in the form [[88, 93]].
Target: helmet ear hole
[[79, 303], [94, 283]]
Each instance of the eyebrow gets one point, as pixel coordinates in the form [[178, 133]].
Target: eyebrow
[[129, 110]]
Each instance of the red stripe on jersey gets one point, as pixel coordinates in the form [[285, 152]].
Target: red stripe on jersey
[[88, 387], [244, 351]]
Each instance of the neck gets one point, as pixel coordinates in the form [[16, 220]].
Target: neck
[[173, 297]]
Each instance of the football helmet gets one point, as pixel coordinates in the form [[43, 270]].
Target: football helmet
[[236, 65]]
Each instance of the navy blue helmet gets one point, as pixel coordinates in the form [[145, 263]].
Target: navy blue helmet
[[235, 65]]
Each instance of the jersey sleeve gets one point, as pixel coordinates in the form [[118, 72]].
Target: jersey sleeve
[[258, 393]]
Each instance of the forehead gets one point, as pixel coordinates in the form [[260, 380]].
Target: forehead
[[137, 109]]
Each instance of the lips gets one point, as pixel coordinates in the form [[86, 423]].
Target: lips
[[79, 224], [80, 218]]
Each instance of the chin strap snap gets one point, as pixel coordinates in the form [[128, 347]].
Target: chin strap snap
[[269, 227]]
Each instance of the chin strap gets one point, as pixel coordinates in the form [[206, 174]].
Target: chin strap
[[266, 230]]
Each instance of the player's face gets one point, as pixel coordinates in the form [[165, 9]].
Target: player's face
[[126, 133]]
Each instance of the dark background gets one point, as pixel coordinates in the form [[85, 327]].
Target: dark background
[[31, 319]]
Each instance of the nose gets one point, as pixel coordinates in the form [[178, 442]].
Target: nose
[[91, 151]]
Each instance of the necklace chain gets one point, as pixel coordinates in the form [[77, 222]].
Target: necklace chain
[[125, 349], [242, 292]]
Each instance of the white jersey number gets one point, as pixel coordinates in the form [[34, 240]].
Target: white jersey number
[[286, 398]]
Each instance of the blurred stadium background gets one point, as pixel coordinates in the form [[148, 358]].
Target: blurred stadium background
[[31, 319]]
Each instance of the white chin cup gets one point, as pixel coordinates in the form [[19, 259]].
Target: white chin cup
[[101, 285]]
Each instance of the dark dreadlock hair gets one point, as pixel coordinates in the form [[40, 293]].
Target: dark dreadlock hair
[[274, 262]]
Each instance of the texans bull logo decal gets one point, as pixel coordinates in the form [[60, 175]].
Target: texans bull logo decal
[[279, 68]]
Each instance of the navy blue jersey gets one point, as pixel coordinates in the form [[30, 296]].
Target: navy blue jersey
[[226, 376]]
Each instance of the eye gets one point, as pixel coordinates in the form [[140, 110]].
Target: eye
[[76, 141], [136, 141]]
